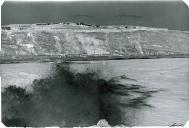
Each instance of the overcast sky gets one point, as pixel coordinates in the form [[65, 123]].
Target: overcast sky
[[172, 15], [93, 0]]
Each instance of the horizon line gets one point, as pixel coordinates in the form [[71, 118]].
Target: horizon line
[[93, 1]]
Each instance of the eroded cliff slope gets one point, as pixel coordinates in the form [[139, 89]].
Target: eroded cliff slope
[[83, 42]]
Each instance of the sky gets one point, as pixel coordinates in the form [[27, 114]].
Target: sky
[[92, 0], [172, 15]]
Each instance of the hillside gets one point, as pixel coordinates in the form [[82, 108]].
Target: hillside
[[78, 42]]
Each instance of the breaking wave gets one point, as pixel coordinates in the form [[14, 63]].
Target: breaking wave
[[68, 98]]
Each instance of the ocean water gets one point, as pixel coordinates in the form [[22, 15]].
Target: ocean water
[[167, 78]]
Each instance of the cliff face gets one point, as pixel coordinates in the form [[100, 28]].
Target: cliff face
[[93, 42]]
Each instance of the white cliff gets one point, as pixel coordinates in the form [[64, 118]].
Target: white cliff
[[72, 40]]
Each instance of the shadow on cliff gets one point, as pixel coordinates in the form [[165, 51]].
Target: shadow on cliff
[[67, 98]]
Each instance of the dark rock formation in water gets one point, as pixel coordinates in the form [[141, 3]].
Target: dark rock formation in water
[[71, 99]]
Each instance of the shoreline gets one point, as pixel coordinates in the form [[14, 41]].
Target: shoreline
[[45, 59]]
